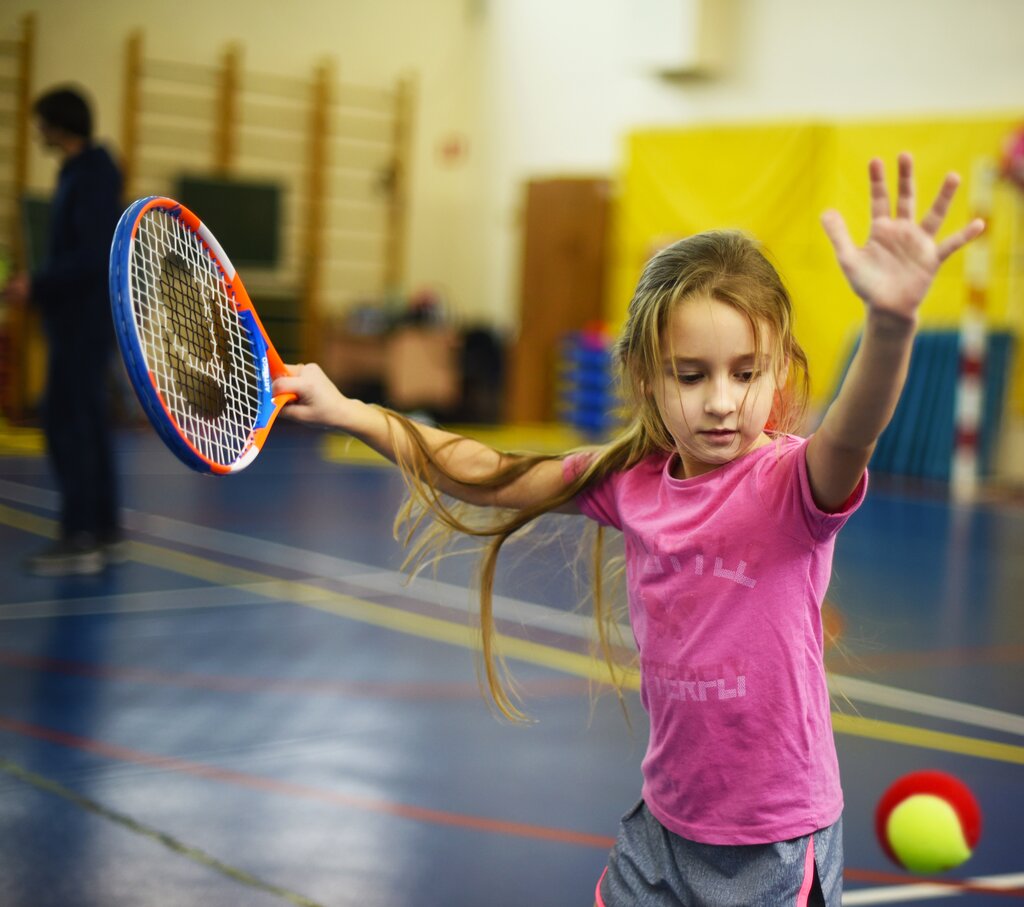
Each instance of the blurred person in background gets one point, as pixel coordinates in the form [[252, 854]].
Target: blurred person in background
[[69, 289]]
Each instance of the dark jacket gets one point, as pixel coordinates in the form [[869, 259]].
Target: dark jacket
[[83, 214]]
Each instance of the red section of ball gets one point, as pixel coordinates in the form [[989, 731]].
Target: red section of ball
[[940, 784]]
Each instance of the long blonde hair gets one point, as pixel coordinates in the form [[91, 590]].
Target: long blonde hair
[[724, 265]]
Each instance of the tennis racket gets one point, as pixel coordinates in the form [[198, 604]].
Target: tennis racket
[[195, 350]]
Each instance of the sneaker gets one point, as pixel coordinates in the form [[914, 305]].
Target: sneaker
[[115, 550], [68, 557]]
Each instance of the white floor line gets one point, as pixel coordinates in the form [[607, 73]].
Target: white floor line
[[316, 564], [922, 704], [185, 599], [902, 894], [327, 566], [19, 493]]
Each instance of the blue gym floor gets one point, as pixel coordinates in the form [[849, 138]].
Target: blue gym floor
[[255, 710]]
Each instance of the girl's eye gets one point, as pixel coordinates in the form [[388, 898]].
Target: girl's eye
[[688, 377], [747, 375]]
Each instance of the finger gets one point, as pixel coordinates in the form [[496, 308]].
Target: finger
[[940, 207], [286, 384], [879, 191], [838, 235], [906, 203], [959, 239]]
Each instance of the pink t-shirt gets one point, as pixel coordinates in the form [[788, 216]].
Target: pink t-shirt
[[726, 573]]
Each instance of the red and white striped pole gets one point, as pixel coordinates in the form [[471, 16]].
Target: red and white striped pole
[[970, 390]]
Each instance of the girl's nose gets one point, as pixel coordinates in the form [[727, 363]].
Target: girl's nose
[[720, 400]]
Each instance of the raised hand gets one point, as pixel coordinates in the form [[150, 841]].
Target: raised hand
[[892, 272]]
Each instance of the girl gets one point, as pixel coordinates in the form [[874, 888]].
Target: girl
[[729, 524]]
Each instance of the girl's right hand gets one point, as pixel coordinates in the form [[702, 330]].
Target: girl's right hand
[[318, 401]]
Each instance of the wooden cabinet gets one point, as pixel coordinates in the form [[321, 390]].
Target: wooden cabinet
[[410, 367], [562, 286]]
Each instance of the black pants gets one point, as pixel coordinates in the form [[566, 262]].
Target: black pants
[[78, 429]]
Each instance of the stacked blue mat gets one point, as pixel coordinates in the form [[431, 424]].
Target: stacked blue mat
[[587, 397], [919, 441]]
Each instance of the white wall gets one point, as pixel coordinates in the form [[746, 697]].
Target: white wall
[[542, 87], [566, 80]]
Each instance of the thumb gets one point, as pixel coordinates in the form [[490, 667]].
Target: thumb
[[838, 234]]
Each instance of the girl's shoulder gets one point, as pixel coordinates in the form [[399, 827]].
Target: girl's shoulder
[[784, 486], [604, 497], [577, 461]]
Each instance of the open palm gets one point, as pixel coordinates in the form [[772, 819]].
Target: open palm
[[893, 270]]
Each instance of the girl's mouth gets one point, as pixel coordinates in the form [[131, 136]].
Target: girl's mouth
[[719, 435]]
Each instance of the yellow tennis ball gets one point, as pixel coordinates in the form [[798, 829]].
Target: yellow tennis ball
[[928, 822]]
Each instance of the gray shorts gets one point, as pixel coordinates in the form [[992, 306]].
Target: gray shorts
[[652, 867]]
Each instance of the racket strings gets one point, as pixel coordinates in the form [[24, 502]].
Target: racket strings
[[188, 344], [198, 351]]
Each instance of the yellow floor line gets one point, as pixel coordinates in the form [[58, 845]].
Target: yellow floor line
[[21, 442], [459, 634], [891, 732], [28, 522], [340, 604]]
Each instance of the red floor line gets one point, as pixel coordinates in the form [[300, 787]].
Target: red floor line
[[558, 686], [302, 791], [401, 810]]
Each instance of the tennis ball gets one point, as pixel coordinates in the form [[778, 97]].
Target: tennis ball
[[928, 822]]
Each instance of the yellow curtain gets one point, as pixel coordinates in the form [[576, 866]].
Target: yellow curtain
[[774, 180]]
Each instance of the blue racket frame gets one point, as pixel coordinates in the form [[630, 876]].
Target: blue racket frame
[[135, 360]]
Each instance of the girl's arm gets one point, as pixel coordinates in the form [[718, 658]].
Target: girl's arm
[[319, 402], [891, 274]]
